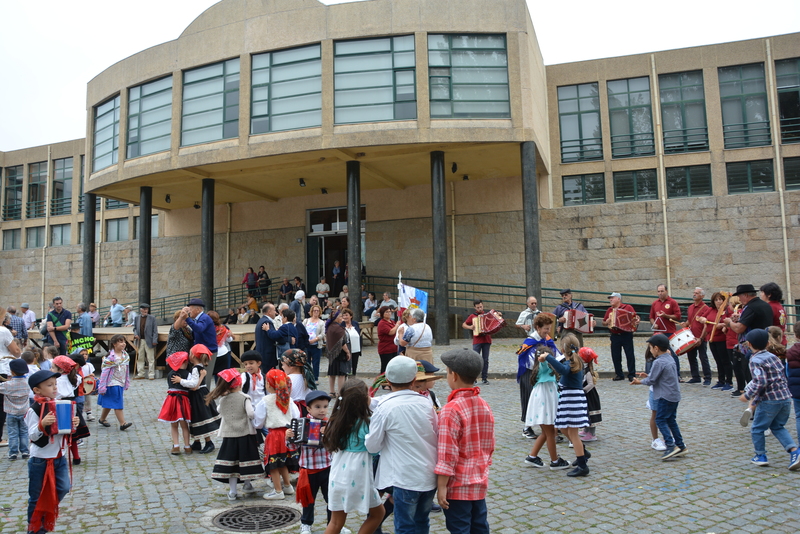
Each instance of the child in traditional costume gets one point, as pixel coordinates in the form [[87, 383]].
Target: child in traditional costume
[[176, 410], [69, 386], [114, 380], [205, 418]]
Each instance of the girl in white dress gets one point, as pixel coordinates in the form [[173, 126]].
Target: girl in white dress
[[351, 486]]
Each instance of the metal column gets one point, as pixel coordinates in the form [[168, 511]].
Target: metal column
[[530, 219], [207, 245], [89, 219], [354, 231], [439, 230], [145, 242]]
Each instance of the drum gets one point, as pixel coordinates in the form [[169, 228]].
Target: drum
[[622, 320], [65, 411], [487, 324], [682, 341], [89, 384], [580, 321]]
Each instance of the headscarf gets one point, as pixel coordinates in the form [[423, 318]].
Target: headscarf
[[176, 359], [199, 349], [232, 377], [298, 358], [277, 380], [334, 337], [64, 363], [587, 355]]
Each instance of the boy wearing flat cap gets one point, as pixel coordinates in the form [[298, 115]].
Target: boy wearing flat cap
[[769, 391], [465, 446]]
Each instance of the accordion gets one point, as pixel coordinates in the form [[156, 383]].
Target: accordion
[[622, 320], [487, 324], [579, 321], [307, 431]]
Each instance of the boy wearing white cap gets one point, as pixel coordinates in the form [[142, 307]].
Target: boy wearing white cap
[[403, 429]]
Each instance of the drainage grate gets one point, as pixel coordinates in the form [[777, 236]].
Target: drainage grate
[[256, 518]]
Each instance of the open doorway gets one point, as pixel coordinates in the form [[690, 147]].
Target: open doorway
[[325, 244]]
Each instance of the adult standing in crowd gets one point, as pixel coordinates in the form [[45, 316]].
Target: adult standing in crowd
[[567, 304], [353, 338], [772, 294], [115, 313], [145, 336], [299, 285], [250, 281], [527, 316], [85, 320], [94, 314], [298, 305], [665, 314], [387, 328], [315, 327], [27, 315], [264, 282], [9, 350], [482, 343], [264, 345], [58, 322], [18, 327], [697, 310], [418, 337], [755, 314], [716, 336], [323, 290], [180, 337], [203, 331], [337, 279], [286, 291], [621, 339]]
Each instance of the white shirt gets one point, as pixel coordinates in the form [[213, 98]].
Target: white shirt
[[5, 356], [255, 391], [53, 446], [299, 389], [267, 413], [355, 339], [404, 430], [65, 388], [420, 341], [322, 289], [526, 317], [29, 317]]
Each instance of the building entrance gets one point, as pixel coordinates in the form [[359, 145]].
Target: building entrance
[[326, 243]]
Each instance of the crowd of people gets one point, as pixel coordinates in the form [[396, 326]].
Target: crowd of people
[[421, 444]]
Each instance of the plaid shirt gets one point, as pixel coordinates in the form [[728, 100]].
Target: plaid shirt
[[466, 444], [19, 325], [769, 379], [16, 392], [311, 457]]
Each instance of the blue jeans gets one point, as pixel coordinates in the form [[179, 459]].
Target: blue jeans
[[666, 414], [411, 511], [36, 469], [466, 517], [315, 353], [772, 415], [17, 435], [618, 343], [483, 350]]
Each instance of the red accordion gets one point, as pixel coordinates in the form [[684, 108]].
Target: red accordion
[[580, 321], [487, 324], [307, 431]]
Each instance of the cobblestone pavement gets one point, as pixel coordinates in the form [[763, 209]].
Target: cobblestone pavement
[[129, 483]]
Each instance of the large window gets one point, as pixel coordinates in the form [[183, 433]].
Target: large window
[[149, 117], [745, 118], [60, 235], [468, 76], [579, 121], [153, 226], [584, 189], [693, 181], [791, 173], [374, 80], [12, 209], [106, 134], [117, 229], [287, 90], [37, 190], [34, 237], [635, 185], [210, 103], [631, 117], [683, 112], [788, 74], [61, 203], [12, 239], [750, 176]]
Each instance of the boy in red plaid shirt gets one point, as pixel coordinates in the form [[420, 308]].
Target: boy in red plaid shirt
[[466, 444]]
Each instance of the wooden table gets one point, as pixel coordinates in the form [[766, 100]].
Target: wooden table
[[367, 330]]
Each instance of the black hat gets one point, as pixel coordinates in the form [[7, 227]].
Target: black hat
[[18, 367], [428, 366], [40, 376], [316, 395], [758, 338], [565, 291], [75, 326], [744, 288], [659, 340], [197, 302], [251, 356], [144, 306]]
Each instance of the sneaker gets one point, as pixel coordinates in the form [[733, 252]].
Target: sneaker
[[578, 472], [89, 416], [767, 432], [588, 437], [12, 456], [794, 460], [25, 455], [707, 382], [571, 446], [274, 496], [760, 459], [727, 387], [3, 443], [581, 434], [559, 464], [248, 489], [745, 418], [560, 438], [231, 496], [79, 443], [718, 385], [529, 433], [288, 489], [736, 394], [533, 461], [436, 508], [345, 530], [305, 529], [681, 451], [694, 381], [670, 452], [658, 444], [484, 382]]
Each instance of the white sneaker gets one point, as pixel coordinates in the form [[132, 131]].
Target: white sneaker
[[658, 444], [305, 529], [231, 496], [89, 416], [768, 432], [571, 446], [345, 530], [270, 484], [288, 489], [274, 496]]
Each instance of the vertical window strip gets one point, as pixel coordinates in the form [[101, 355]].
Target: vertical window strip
[[692, 181], [37, 190], [683, 112], [12, 239], [12, 208], [788, 75], [468, 76], [149, 118], [34, 237], [579, 123], [210, 103], [791, 173], [745, 119], [60, 235], [106, 134], [630, 117], [61, 202]]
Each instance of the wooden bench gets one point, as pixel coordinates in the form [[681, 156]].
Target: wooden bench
[[367, 331]]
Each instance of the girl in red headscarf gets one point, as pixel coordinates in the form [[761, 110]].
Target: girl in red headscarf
[[176, 410], [275, 412]]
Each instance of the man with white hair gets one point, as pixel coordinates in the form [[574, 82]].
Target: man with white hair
[[526, 317], [696, 310], [298, 305]]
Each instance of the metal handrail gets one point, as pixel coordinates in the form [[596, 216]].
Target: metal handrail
[[685, 140], [60, 206], [35, 208], [589, 149], [81, 202], [790, 130], [746, 134], [632, 145], [12, 212]]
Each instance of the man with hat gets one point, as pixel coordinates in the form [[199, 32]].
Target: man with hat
[[205, 333], [27, 315], [145, 336], [94, 314], [621, 339], [567, 304], [755, 313]]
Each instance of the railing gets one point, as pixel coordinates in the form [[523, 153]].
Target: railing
[[746, 134], [581, 150], [35, 208], [12, 212], [632, 145], [790, 130], [61, 206], [81, 201], [685, 140], [112, 204]]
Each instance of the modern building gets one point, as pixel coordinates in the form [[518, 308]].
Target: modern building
[[418, 136]]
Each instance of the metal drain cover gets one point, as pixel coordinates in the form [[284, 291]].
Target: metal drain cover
[[256, 518]]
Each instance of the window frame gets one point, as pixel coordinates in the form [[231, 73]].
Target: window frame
[[15, 235], [792, 172], [730, 132], [137, 99], [58, 230], [13, 212], [687, 176], [62, 204], [582, 140], [116, 235], [39, 237], [114, 125], [620, 142], [749, 166], [790, 126], [226, 124], [637, 196], [36, 206], [689, 142], [585, 200], [153, 226]]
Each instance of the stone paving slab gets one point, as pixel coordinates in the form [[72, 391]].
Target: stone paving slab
[[128, 481]]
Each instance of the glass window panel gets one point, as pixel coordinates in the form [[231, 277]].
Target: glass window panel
[[405, 110], [481, 109], [568, 106], [231, 113], [104, 121], [589, 104], [207, 87], [201, 120], [639, 84], [573, 190], [440, 91], [618, 86], [297, 87], [363, 63], [480, 75], [298, 103], [261, 61], [308, 119], [153, 87], [156, 130], [405, 77], [404, 59], [364, 96], [296, 54], [156, 101], [438, 42], [260, 108], [298, 70], [365, 113], [363, 79], [480, 92], [362, 46], [479, 59], [203, 104], [403, 42], [479, 41], [205, 135], [158, 115], [791, 173], [666, 81], [438, 58], [569, 91], [232, 66], [259, 126], [155, 145], [232, 98], [203, 73], [260, 77], [106, 107]]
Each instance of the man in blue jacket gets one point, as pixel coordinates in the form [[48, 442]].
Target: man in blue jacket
[[204, 331], [264, 345]]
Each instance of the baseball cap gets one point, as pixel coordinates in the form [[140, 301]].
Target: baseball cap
[[614, 294], [401, 370], [758, 338], [659, 340]]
